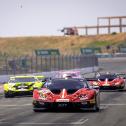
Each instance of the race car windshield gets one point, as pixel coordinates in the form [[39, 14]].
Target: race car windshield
[[110, 77], [67, 84], [27, 79]]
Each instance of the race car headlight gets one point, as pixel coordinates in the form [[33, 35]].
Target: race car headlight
[[117, 83], [10, 86], [42, 95], [95, 83]]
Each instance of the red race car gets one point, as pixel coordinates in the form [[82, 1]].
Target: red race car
[[108, 80], [66, 93]]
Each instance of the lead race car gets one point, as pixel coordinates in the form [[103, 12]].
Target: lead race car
[[18, 85], [68, 93], [108, 80]]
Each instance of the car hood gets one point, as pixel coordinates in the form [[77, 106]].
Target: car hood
[[21, 83]]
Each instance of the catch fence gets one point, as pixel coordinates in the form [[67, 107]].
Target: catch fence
[[36, 64]]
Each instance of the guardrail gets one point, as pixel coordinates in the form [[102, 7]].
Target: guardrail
[[5, 78]]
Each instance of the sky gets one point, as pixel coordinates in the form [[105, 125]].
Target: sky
[[47, 17]]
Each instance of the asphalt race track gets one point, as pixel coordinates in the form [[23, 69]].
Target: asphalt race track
[[18, 111]]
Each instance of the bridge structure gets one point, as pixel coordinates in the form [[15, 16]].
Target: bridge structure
[[103, 23]]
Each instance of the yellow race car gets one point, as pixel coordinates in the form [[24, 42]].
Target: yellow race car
[[18, 85]]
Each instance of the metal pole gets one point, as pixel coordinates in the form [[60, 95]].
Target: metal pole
[[120, 24], [97, 26], [109, 24]]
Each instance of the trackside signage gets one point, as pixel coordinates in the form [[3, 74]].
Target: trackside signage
[[122, 49], [90, 50], [47, 52]]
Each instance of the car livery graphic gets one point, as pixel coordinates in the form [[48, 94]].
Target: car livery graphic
[[68, 93], [108, 80], [21, 85]]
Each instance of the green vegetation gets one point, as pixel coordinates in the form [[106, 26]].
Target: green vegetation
[[23, 46], [100, 44]]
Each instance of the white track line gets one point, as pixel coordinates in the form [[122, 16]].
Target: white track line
[[15, 105], [115, 104], [80, 122]]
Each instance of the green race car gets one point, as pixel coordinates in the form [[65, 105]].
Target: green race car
[[21, 85]]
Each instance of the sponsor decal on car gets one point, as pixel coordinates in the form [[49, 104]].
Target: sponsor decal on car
[[62, 100]]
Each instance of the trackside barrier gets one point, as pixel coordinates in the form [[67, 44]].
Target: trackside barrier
[[37, 64], [5, 78], [46, 65], [108, 55]]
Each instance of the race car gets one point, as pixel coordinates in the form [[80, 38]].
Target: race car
[[69, 74], [108, 80], [21, 85], [122, 75], [66, 93]]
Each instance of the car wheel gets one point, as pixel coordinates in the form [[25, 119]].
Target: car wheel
[[8, 95], [96, 107], [121, 87], [36, 110]]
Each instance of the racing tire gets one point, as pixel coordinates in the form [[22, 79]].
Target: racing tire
[[8, 95], [96, 107], [36, 110], [121, 88]]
